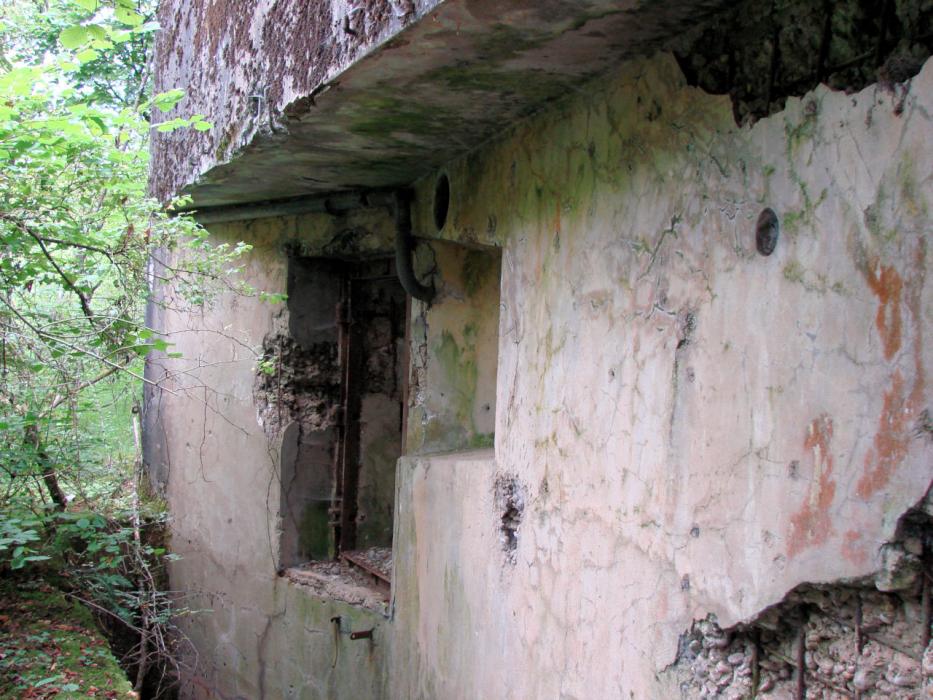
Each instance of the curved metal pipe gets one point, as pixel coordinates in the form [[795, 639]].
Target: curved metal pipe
[[405, 248]]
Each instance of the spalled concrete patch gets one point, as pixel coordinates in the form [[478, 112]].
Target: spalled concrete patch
[[855, 637], [510, 503], [296, 383]]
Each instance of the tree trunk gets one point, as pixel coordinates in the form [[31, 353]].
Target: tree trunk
[[49, 477]]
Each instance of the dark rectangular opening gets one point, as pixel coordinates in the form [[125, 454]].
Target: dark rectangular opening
[[339, 451]]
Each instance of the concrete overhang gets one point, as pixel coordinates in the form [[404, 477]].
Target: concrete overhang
[[356, 96]]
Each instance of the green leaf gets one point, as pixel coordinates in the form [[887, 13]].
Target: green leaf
[[89, 5], [202, 126], [166, 101], [147, 27], [87, 55], [127, 16], [95, 31], [73, 37], [100, 123]]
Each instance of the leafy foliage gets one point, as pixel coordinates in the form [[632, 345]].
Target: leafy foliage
[[80, 244]]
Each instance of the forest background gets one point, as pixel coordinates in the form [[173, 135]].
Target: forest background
[[78, 237]]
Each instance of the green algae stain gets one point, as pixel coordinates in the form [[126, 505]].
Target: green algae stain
[[314, 533], [476, 270], [793, 272], [54, 642], [460, 375], [482, 441]]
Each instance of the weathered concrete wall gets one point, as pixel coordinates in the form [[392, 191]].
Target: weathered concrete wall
[[683, 426], [689, 427], [454, 353], [223, 460]]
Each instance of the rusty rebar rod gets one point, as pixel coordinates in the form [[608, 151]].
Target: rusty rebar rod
[[925, 600], [842, 690], [754, 662], [859, 640], [801, 690]]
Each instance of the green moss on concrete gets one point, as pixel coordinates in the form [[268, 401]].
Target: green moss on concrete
[[315, 537], [377, 492], [51, 647], [476, 271], [382, 116], [458, 366], [502, 42], [482, 441], [793, 272], [533, 85]]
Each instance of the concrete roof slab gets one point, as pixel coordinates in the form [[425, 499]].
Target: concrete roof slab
[[308, 98]]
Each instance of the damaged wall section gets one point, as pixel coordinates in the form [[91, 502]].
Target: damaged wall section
[[330, 385], [700, 427], [762, 52], [866, 638], [220, 425]]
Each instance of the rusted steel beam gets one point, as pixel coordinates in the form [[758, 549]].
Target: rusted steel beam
[[354, 559]]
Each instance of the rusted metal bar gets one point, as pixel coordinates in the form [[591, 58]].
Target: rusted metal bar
[[355, 560], [842, 690], [801, 690], [754, 662], [353, 379], [362, 634], [925, 599], [862, 633], [859, 640], [895, 646]]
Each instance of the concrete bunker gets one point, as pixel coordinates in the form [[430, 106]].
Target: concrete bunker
[[655, 379]]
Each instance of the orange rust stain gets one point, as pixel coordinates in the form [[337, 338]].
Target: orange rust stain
[[892, 438], [887, 284], [853, 548], [811, 525]]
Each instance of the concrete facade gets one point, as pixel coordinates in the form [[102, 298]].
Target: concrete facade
[[622, 419]]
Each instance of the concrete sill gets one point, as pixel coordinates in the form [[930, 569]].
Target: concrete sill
[[336, 580]]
